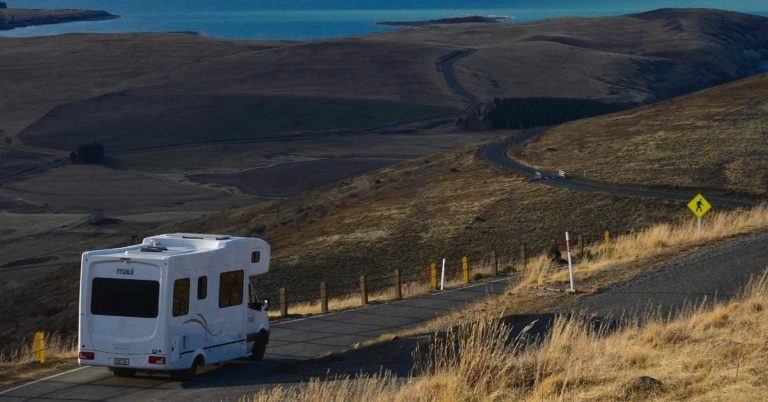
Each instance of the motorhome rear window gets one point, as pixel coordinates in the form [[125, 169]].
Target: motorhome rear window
[[125, 297]]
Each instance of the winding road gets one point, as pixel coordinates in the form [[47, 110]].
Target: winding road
[[497, 154]]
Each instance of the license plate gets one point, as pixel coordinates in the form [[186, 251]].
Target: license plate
[[121, 361]]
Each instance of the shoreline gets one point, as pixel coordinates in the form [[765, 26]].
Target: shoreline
[[476, 19], [12, 18]]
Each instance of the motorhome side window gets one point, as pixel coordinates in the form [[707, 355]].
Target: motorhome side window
[[125, 297], [230, 288], [202, 287], [180, 297]]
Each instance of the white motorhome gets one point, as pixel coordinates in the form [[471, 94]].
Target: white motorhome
[[173, 303]]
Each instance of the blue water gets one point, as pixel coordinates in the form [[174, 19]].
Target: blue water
[[308, 19]]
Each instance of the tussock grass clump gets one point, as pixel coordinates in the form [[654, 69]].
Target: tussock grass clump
[[20, 363], [701, 353], [646, 243]]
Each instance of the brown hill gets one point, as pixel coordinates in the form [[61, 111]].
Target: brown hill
[[715, 139], [634, 58]]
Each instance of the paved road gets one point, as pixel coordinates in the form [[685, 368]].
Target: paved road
[[291, 341], [446, 65], [719, 272], [496, 154], [715, 272]]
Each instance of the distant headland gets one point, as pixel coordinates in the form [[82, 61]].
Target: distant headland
[[11, 18], [451, 20]]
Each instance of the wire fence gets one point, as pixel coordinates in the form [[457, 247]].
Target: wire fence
[[351, 292]]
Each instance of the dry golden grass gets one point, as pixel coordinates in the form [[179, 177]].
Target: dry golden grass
[[716, 353], [21, 363], [409, 215], [713, 140], [656, 240]]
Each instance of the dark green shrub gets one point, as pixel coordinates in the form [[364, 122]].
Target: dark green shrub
[[88, 153], [519, 113]]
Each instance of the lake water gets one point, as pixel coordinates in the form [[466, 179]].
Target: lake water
[[313, 19]]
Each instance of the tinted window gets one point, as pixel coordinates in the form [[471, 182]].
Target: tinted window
[[124, 297], [202, 287], [255, 257], [180, 297], [230, 288]]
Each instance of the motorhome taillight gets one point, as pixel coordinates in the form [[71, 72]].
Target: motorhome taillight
[[156, 359], [86, 355]]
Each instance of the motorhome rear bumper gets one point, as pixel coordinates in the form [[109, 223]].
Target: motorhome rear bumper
[[133, 362]]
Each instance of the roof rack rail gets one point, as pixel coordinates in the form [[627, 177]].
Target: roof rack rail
[[154, 249]]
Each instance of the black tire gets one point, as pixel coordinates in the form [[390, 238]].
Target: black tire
[[122, 372], [190, 372], [260, 346]]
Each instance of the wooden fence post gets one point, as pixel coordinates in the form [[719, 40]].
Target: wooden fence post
[[398, 285], [494, 263], [323, 298], [283, 303], [363, 291], [465, 268], [523, 256], [433, 276]]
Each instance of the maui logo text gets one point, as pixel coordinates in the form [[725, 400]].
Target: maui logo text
[[125, 271]]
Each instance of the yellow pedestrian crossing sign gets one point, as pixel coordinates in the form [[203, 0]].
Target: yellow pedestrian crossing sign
[[699, 205]]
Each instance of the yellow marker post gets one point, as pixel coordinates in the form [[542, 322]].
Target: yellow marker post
[[38, 346], [465, 268], [699, 206], [606, 237], [433, 276]]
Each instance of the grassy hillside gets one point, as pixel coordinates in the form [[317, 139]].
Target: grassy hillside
[[151, 119], [636, 58], [633, 58], [408, 215], [44, 72], [714, 140]]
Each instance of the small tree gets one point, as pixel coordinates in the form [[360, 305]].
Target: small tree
[[88, 153]]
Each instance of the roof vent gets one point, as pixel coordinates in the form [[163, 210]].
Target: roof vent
[[153, 249]]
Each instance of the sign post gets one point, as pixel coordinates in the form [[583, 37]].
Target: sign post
[[442, 276], [39, 346], [699, 206], [570, 261]]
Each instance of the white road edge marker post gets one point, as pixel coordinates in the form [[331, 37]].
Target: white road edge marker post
[[570, 261], [442, 276]]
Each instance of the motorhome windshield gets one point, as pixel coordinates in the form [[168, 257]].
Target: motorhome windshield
[[125, 297]]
